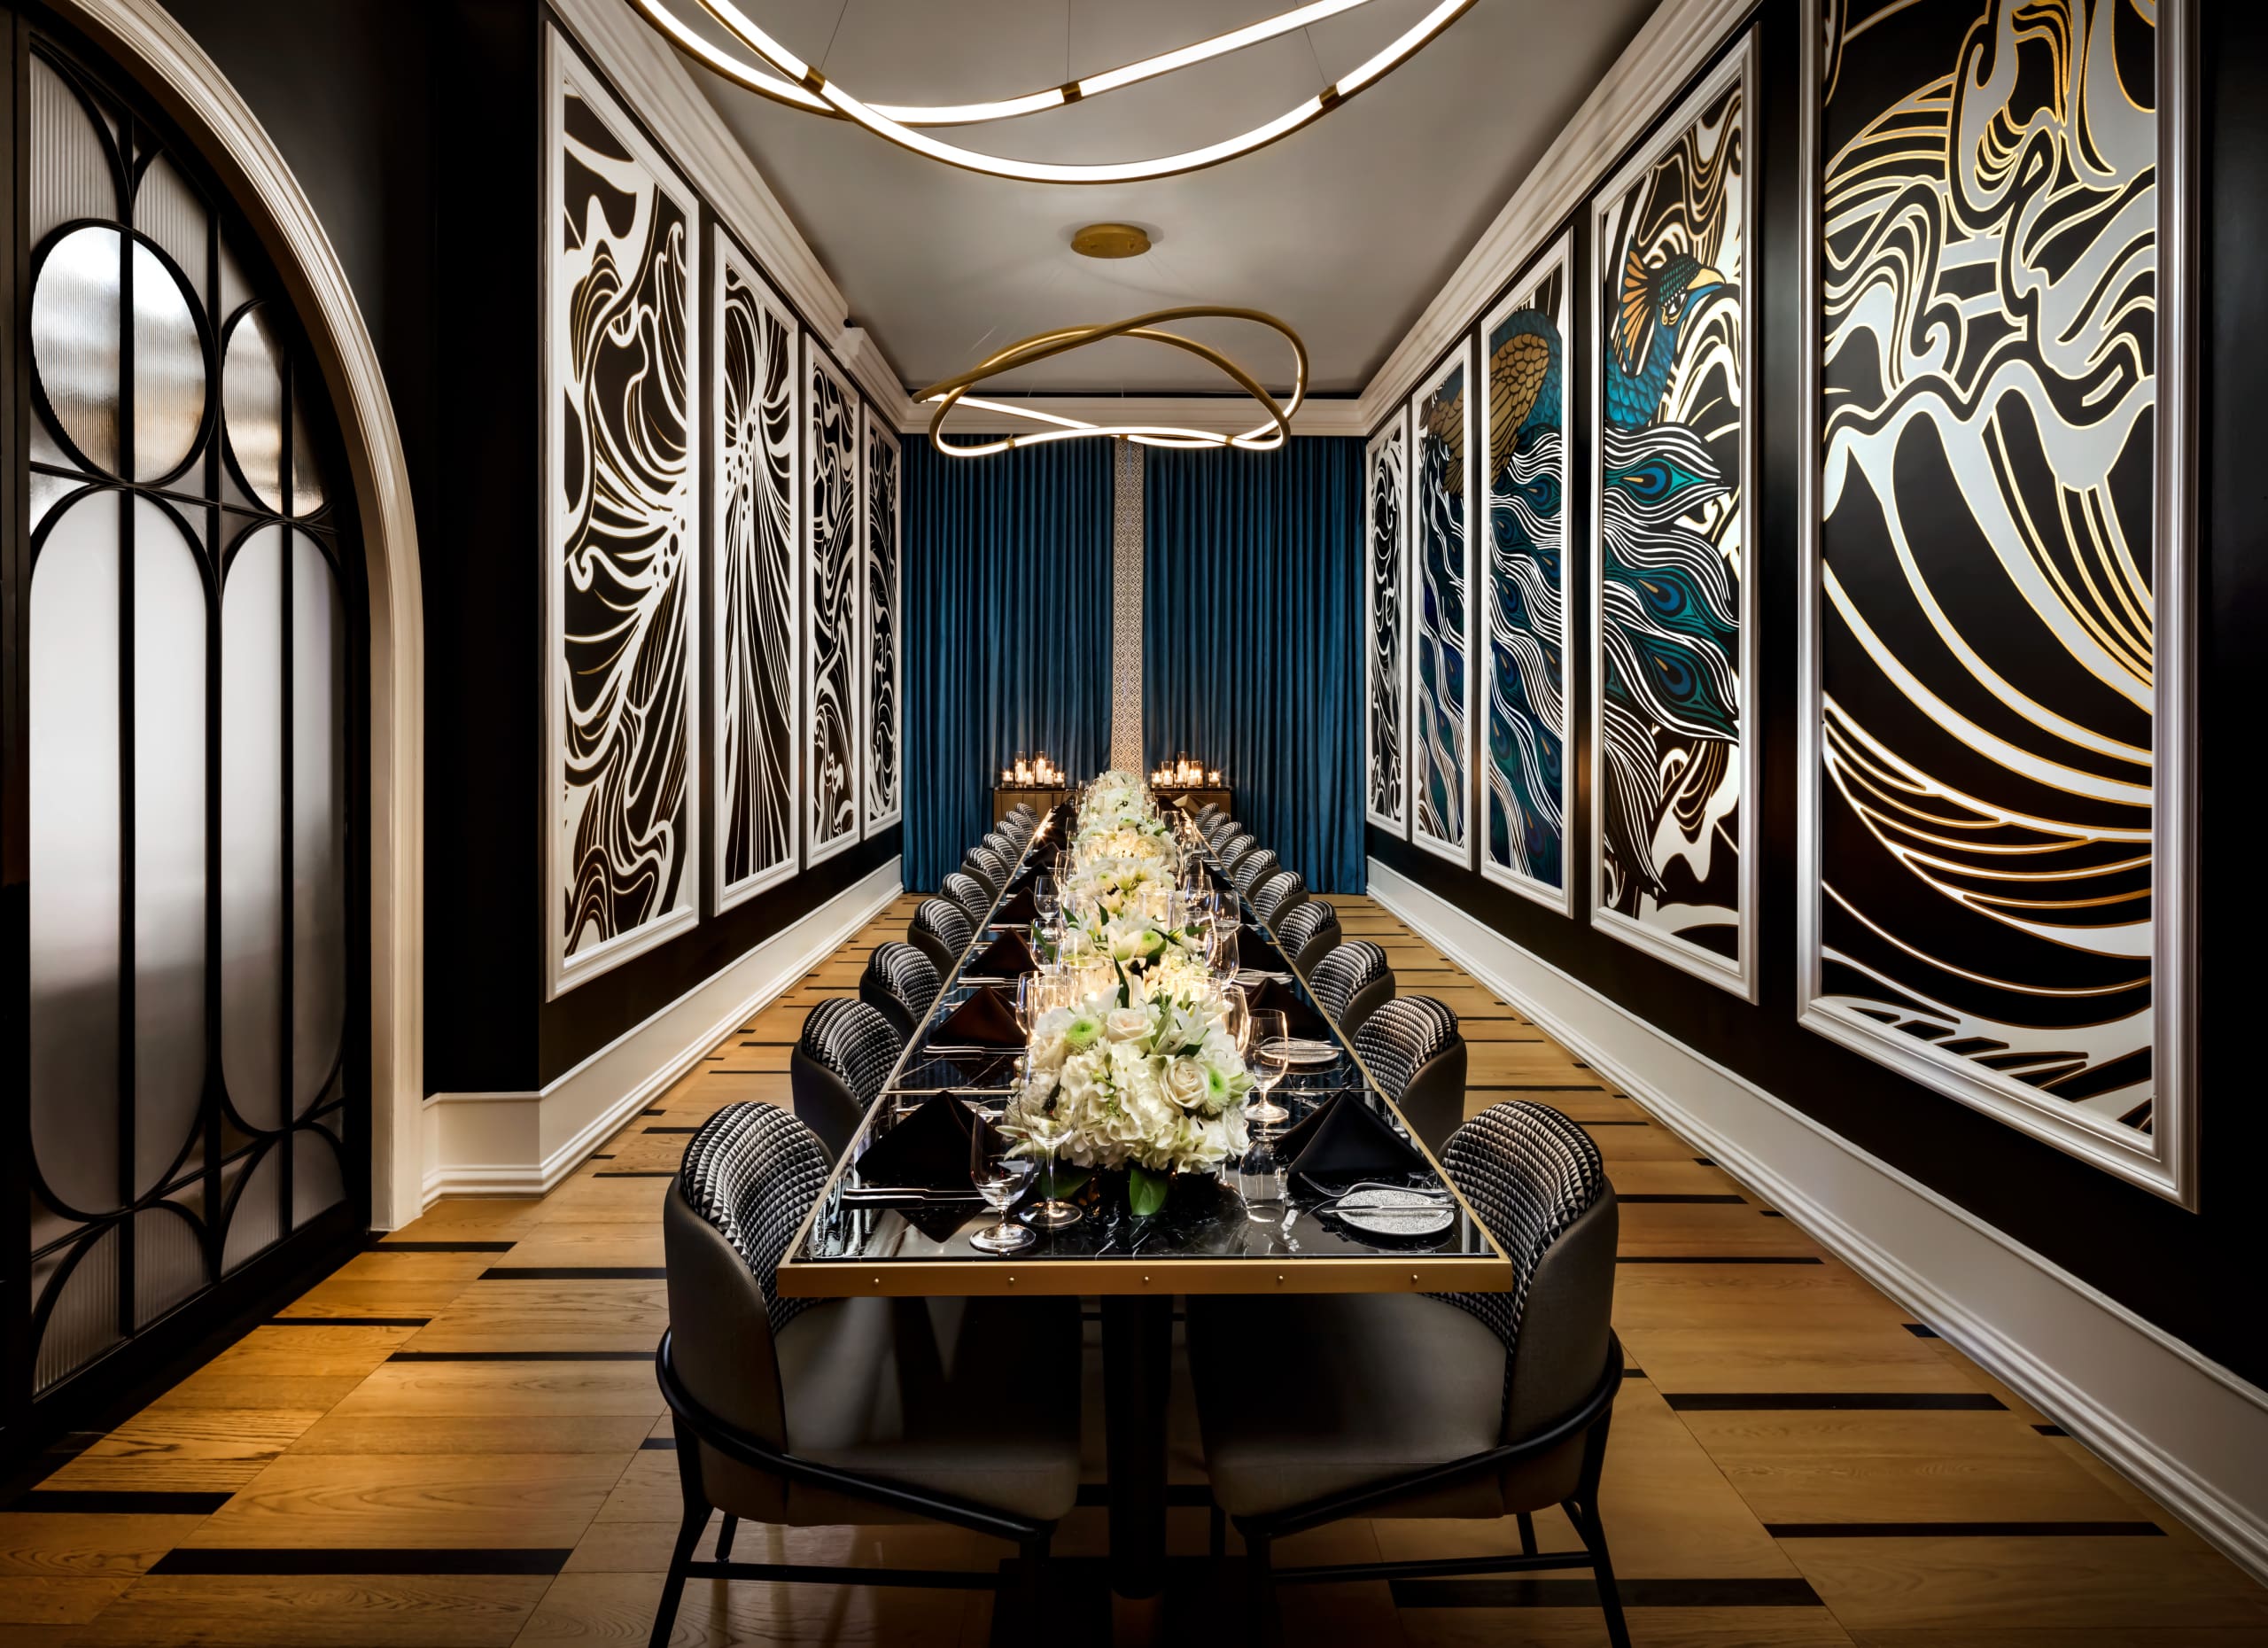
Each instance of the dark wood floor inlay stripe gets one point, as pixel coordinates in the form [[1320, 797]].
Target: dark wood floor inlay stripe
[[383, 1246], [1716, 1258], [1583, 1593], [625, 1173], [246, 1560], [574, 1273], [659, 1444], [1689, 1197], [1749, 1400], [348, 1321], [520, 1355], [1918, 1331], [2051, 1430], [1964, 1530], [117, 1502], [669, 1129]]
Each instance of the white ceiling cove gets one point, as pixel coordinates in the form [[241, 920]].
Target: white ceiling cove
[[1345, 229]]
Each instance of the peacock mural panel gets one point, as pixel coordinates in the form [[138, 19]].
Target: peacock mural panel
[[1524, 402], [1989, 322], [1670, 246]]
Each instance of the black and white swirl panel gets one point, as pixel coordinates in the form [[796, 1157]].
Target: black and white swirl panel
[[1385, 516], [755, 609], [622, 324], [832, 688], [882, 579]]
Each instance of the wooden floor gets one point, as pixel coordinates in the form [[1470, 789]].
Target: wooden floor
[[456, 1439]]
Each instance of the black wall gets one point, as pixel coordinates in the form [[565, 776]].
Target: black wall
[[2191, 1273], [414, 130]]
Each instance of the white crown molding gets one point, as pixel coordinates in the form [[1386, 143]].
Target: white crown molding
[[160, 54], [525, 1143], [660, 89], [1643, 82], [2190, 1432]]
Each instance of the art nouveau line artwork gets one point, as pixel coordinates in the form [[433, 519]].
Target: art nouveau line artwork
[[881, 576], [622, 345], [1986, 815], [1525, 772], [754, 607], [1670, 598], [1442, 676], [1385, 516], [831, 584]]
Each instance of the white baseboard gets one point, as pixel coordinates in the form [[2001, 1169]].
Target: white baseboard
[[2189, 1432], [523, 1144]]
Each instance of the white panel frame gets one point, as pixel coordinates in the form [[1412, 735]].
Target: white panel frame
[[1559, 254], [1738, 975], [816, 852], [1461, 853], [563, 66], [2164, 1161], [1397, 429], [731, 261], [874, 431]]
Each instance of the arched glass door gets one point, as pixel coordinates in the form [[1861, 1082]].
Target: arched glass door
[[185, 713]]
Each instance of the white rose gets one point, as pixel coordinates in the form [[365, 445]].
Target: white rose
[[1185, 1083], [1126, 1024]]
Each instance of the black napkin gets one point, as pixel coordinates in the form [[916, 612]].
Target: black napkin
[[985, 1020], [1274, 996], [1343, 1138], [1255, 951], [925, 1150], [1006, 957], [1016, 909]]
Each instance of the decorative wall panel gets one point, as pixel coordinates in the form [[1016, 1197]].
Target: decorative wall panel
[[622, 322], [1529, 613], [1442, 678], [883, 578], [1986, 822], [832, 690], [1673, 784], [755, 595], [1386, 488]]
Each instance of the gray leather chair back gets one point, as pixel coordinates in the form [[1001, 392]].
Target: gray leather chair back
[[840, 1062], [1412, 1046], [941, 930], [901, 983], [1351, 982]]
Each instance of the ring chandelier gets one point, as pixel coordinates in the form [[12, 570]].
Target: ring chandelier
[[1265, 437], [780, 74]]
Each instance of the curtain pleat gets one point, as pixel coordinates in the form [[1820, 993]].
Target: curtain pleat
[[1007, 631], [1251, 604]]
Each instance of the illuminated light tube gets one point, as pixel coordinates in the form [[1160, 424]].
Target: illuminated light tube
[[803, 87], [1264, 437]]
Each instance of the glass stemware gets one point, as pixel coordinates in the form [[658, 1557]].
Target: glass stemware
[[1047, 1128], [1269, 1057], [1261, 1181], [999, 1177]]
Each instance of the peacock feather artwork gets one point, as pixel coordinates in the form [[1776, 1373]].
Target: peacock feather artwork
[[1523, 390], [1670, 248]]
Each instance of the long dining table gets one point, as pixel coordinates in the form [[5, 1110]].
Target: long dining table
[[868, 1239]]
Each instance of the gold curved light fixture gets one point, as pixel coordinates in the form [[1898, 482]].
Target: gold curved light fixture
[[1265, 437], [780, 74]]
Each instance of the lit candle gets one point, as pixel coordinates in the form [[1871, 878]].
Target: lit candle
[[1212, 778]]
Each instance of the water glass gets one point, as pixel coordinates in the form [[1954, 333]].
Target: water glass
[[1047, 1128], [1000, 1177], [1268, 1055], [1261, 1181]]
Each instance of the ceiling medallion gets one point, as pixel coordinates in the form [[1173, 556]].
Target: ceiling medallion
[[1263, 437], [1111, 240], [780, 74]]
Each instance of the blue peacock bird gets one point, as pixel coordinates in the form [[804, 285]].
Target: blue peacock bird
[[1527, 718], [1669, 621]]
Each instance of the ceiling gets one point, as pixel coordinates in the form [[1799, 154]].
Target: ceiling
[[1346, 228]]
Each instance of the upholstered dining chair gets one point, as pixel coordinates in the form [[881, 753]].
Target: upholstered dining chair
[[987, 866], [1465, 1405], [1412, 1046], [823, 1412], [900, 983], [1351, 983], [999, 840], [973, 898], [1207, 813], [840, 1062], [1306, 932], [941, 930], [1233, 848], [1279, 894], [1252, 869]]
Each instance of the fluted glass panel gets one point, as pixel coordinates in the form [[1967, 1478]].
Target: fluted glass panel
[[318, 821], [70, 170], [252, 404], [257, 1221], [169, 378], [168, 1263], [252, 824], [83, 1318], [316, 1181], [75, 340]]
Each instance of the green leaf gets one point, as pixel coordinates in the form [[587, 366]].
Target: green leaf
[[1145, 1192], [1059, 1181]]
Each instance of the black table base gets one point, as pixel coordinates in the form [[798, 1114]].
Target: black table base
[[1137, 1377]]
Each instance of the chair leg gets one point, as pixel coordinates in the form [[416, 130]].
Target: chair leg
[[1610, 1599], [1527, 1535], [1219, 1546], [725, 1538], [696, 1518], [1260, 1590], [1032, 1556]]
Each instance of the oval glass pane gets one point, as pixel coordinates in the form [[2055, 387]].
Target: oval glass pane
[[75, 341], [73, 797], [252, 828], [169, 378], [251, 401], [318, 822], [168, 843]]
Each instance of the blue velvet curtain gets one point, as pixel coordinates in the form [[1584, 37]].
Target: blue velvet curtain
[[1252, 603], [1007, 631]]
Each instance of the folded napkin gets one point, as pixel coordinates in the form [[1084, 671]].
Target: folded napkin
[[985, 1020], [1343, 1138], [1016, 909], [925, 1150], [1008, 956], [1277, 997]]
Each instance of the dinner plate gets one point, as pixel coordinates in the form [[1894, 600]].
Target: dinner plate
[[1398, 1213], [1305, 1051]]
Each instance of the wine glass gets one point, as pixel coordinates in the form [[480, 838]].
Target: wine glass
[[999, 1177], [1047, 899], [1269, 1057], [1261, 1178], [1047, 1127], [1221, 946]]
